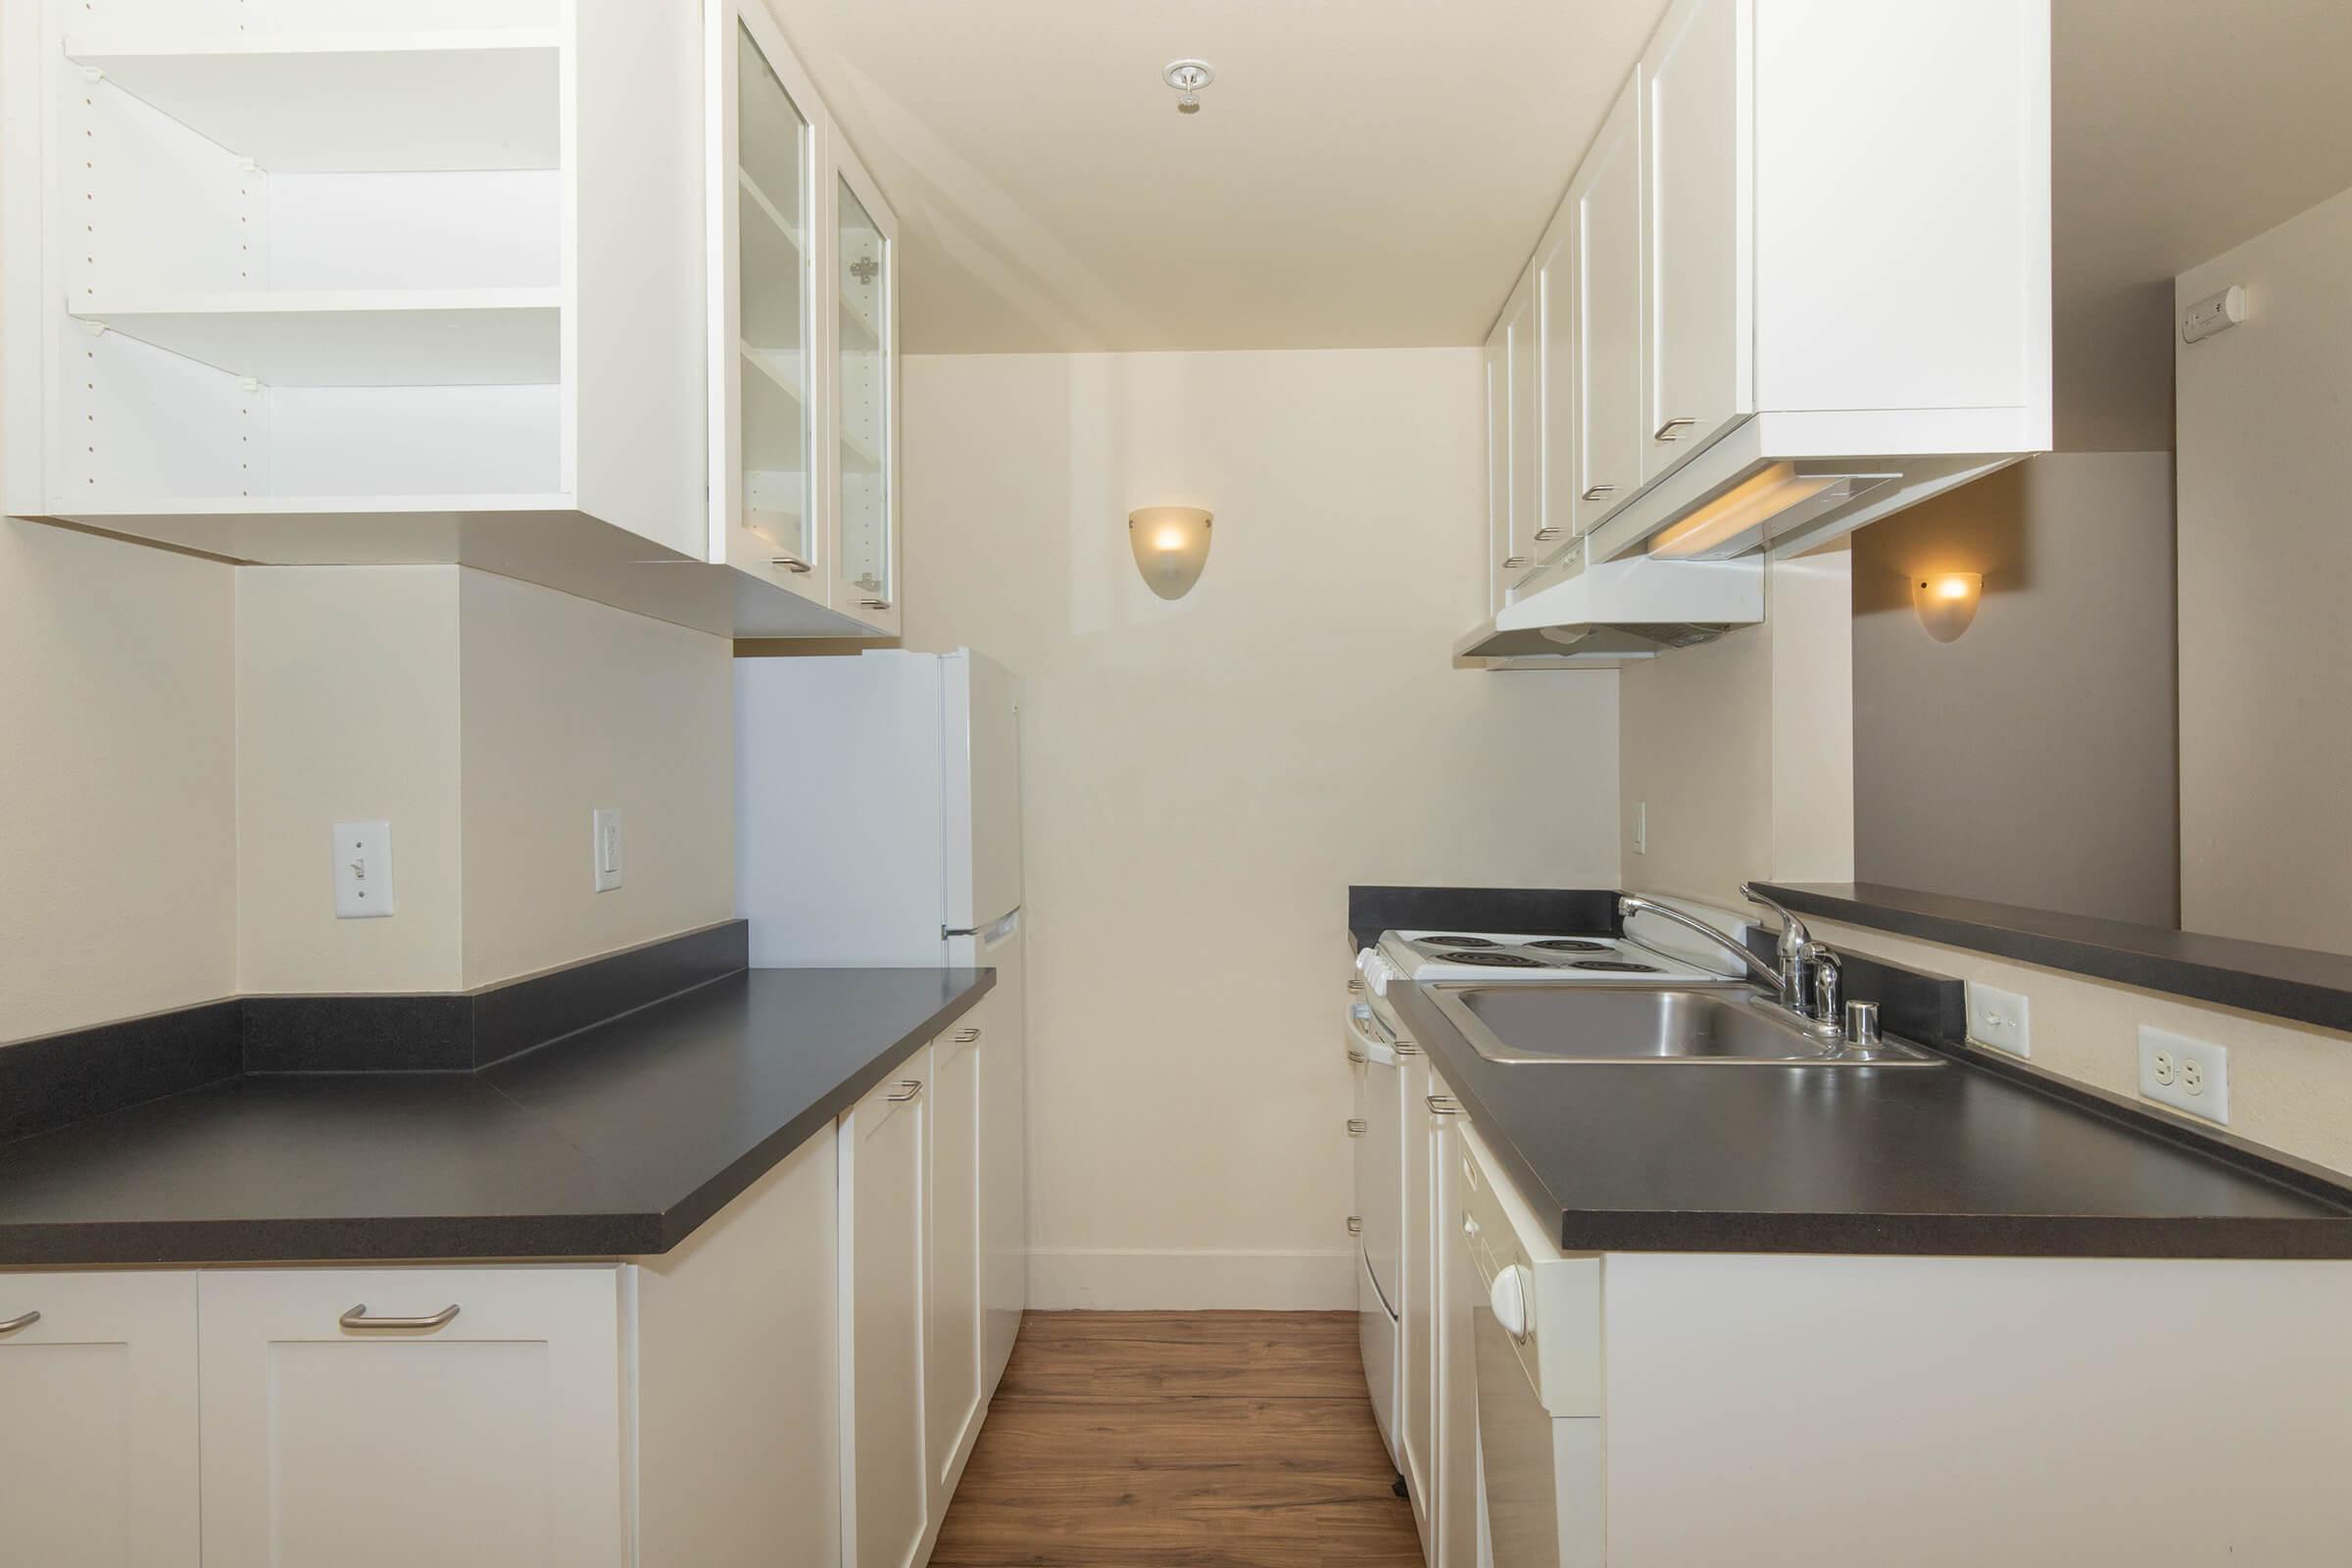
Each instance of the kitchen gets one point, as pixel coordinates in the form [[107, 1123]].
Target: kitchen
[[1275, 309]]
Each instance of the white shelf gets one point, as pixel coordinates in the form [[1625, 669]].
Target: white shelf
[[771, 273], [443, 337], [773, 417], [858, 456], [859, 329], [361, 102], [775, 216]]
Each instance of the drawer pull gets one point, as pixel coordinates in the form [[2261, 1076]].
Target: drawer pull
[[1405, 1050], [1357, 1127], [909, 1087], [1595, 492], [24, 1322], [1356, 1057], [875, 603], [965, 1036], [357, 1318], [1445, 1106], [1671, 430], [1356, 1225], [1356, 988], [794, 565]]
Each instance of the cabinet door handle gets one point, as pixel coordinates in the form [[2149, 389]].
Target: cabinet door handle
[[1667, 431], [965, 1036], [26, 1321], [793, 564], [909, 1087], [1593, 492], [1355, 1056], [1548, 533], [1356, 1225], [357, 1318], [1512, 563], [1357, 1127], [1356, 988], [875, 603], [1405, 1050], [1445, 1106]]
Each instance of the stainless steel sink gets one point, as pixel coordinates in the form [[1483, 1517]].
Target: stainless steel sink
[[1534, 1022]]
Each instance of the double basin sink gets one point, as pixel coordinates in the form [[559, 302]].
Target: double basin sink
[[1531, 1021]]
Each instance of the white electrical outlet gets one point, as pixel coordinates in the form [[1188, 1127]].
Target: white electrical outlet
[[363, 870], [1642, 827], [1999, 1018], [604, 825], [2185, 1074]]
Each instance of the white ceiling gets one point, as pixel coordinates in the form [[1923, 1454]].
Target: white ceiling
[[2180, 128], [1363, 172], [1373, 173]]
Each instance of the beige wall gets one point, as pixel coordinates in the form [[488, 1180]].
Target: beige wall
[[569, 706], [486, 719], [2031, 760], [1741, 749], [347, 706], [119, 886], [1202, 779], [2266, 560]]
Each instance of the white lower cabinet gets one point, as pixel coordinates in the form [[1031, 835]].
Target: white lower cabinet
[[98, 1420], [953, 1372], [886, 1485], [1460, 1292], [457, 1416], [1416, 1436]]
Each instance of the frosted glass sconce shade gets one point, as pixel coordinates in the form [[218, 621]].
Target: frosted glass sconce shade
[[1171, 545], [1947, 601]]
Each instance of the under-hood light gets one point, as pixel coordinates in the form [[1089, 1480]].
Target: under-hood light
[[1745, 508]]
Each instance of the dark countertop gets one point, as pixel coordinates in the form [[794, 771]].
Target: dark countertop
[[1950, 1159], [614, 1142], [2294, 983]]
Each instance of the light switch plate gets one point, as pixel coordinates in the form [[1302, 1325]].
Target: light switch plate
[[1642, 827], [605, 847], [363, 870], [2185, 1074], [1999, 1018]]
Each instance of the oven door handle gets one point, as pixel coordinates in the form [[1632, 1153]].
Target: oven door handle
[[1375, 1049]]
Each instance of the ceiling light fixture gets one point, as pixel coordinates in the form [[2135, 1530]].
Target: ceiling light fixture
[[1187, 77]]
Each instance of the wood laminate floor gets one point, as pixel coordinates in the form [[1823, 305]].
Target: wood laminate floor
[[1180, 1439]]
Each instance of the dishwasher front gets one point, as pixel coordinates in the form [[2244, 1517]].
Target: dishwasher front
[[1538, 1333]]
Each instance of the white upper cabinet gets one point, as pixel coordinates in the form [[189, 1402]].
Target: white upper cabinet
[[866, 397], [98, 1442], [1555, 381], [1605, 209], [1512, 453], [565, 327], [1498, 380], [1698, 278]]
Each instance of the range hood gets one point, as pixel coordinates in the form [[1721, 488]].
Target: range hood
[[1604, 613]]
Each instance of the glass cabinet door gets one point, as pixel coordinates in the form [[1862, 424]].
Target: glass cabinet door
[[865, 256], [774, 280]]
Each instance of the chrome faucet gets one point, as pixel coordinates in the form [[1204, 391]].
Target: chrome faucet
[[1808, 979]]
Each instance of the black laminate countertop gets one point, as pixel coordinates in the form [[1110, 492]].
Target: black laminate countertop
[[1952, 1159], [614, 1142]]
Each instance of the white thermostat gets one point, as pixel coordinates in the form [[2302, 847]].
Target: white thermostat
[[2214, 314]]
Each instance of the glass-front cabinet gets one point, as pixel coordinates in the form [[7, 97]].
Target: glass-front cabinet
[[803, 342], [865, 398]]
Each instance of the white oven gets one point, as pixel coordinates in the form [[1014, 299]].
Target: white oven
[[1373, 1036]]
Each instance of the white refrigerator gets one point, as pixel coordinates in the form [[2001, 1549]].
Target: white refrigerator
[[877, 808], [877, 823]]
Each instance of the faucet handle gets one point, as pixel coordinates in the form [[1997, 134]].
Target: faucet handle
[[1794, 938], [1828, 981]]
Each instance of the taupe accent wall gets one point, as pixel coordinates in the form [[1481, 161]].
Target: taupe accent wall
[[2032, 761]]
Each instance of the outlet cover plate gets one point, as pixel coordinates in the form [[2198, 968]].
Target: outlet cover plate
[[2190, 1075], [2001, 1020]]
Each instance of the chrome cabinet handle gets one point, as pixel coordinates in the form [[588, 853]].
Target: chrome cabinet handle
[[1356, 1225], [1666, 431], [24, 1321], [1356, 1057], [1356, 988], [1595, 491], [1445, 1106], [965, 1036], [792, 563], [1548, 533], [875, 603], [1357, 1127], [1510, 563], [1405, 1050], [909, 1087], [357, 1318]]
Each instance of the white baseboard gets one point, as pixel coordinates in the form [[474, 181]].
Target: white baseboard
[[1134, 1281]]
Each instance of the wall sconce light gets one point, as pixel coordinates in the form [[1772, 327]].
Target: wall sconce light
[[1171, 545], [1948, 601]]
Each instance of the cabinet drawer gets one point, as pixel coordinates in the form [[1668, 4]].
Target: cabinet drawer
[[462, 1416]]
